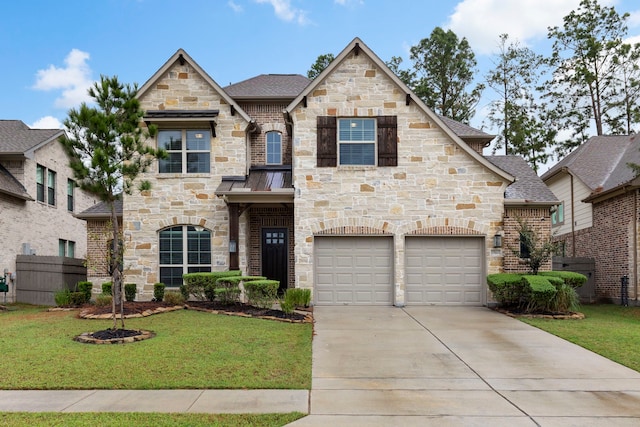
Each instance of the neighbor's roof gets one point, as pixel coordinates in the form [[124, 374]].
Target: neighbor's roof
[[528, 186], [16, 138], [465, 131], [101, 210], [601, 162], [10, 185], [268, 86]]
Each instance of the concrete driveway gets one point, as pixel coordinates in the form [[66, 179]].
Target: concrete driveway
[[466, 366]]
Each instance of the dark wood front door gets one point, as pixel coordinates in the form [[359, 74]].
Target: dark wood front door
[[275, 254]]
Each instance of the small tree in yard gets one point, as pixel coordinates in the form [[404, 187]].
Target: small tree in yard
[[107, 152], [538, 250]]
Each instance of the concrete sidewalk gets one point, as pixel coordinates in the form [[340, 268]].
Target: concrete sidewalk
[[189, 401]]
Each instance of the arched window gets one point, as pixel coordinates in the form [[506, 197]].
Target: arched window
[[183, 249], [274, 148]]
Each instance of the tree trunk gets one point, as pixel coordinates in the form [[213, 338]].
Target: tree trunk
[[116, 275]]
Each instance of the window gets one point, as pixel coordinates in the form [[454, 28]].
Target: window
[[183, 249], [70, 188], [188, 151], [274, 148], [40, 173], [51, 187], [557, 216], [525, 243], [66, 248], [45, 179], [357, 141]]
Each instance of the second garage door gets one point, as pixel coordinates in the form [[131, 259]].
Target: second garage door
[[353, 270], [444, 270]]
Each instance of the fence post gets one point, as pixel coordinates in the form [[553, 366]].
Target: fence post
[[624, 291]]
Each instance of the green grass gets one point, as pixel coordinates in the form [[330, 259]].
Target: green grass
[[15, 419], [609, 330], [191, 350]]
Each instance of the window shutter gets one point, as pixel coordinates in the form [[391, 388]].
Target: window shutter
[[387, 141], [327, 141]]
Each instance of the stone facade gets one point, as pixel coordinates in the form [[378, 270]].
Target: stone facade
[[38, 224], [185, 199], [436, 183]]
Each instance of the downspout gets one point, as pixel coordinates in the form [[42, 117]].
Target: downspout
[[573, 217], [635, 242]]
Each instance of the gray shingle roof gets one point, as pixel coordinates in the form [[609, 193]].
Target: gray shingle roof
[[16, 137], [268, 86], [10, 185], [101, 210], [601, 162], [528, 185], [465, 131]]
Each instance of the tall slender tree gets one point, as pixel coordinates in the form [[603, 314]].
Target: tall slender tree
[[583, 88], [107, 151], [445, 67]]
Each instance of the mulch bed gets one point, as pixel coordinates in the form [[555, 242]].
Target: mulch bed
[[540, 315], [144, 308]]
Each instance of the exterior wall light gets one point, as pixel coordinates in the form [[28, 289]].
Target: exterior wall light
[[233, 246], [497, 241]]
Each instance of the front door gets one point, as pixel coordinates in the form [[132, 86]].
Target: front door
[[274, 255]]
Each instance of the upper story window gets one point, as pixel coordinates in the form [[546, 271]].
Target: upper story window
[[71, 185], [45, 179], [364, 141], [274, 148], [557, 216], [188, 151]]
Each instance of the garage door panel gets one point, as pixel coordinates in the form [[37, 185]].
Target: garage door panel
[[353, 270], [444, 270]]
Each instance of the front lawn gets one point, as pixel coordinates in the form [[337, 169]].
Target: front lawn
[[610, 330], [191, 350]]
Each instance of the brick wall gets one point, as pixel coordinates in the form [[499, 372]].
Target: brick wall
[[539, 219], [270, 118], [99, 234]]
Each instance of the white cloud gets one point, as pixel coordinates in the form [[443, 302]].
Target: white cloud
[[47, 122], [634, 18], [348, 2], [286, 12], [73, 79], [482, 21], [235, 6]]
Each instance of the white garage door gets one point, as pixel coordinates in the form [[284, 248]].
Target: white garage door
[[353, 270], [444, 270]]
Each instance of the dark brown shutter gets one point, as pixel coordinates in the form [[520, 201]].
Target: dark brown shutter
[[387, 141], [327, 141]]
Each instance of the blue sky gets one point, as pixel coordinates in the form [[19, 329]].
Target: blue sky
[[53, 50]]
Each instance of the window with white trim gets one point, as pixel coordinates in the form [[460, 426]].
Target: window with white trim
[[357, 141], [188, 151], [274, 148], [557, 216], [183, 249]]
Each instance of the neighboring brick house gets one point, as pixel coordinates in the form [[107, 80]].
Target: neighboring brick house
[[347, 185], [38, 197], [597, 216]]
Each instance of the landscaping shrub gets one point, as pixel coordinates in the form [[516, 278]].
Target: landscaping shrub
[[566, 300], [287, 306], [130, 291], [508, 289], [62, 297], [227, 289], [106, 288], [196, 283], [261, 293], [174, 298], [575, 280], [86, 288], [158, 291], [77, 298], [298, 297], [103, 300], [542, 292]]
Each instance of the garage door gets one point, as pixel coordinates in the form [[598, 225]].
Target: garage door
[[353, 270], [444, 270]]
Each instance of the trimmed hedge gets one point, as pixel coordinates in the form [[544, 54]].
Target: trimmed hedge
[[158, 291], [542, 292], [227, 289], [86, 288], [575, 280], [130, 291], [262, 293], [196, 283], [508, 288]]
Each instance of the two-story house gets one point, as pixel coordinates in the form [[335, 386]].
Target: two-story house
[[597, 215], [38, 198], [348, 185]]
